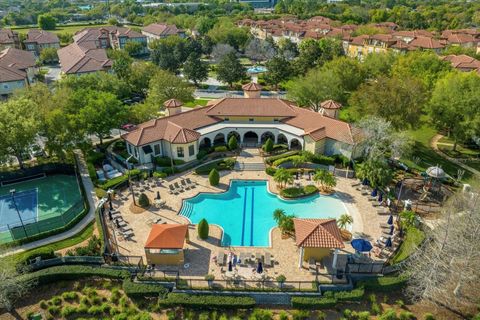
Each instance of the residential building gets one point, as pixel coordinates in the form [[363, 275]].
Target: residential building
[[17, 70], [260, 3], [76, 59], [463, 62], [109, 37], [37, 40], [156, 31], [9, 39], [251, 119], [468, 38]]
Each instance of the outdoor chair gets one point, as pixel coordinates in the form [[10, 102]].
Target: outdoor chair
[[383, 210], [376, 204], [259, 256], [356, 183], [184, 184], [172, 189], [127, 235], [268, 259], [191, 183], [221, 258], [244, 257], [178, 187], [385, 225]]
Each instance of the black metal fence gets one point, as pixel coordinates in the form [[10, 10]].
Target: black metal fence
[[372, 267], [68, 260]]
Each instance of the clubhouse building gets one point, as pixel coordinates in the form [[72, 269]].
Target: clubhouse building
[[251, 119]]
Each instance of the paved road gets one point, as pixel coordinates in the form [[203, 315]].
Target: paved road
[[53, 74]]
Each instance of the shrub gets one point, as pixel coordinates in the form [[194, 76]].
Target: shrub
[[363, 315], [313, 302], [281, 278], [261, 314], [207, 301], [159, 175], [406, 315], [375, 309], [70, 296], [268, 146], [214, 177], [68, 311], [221, 149], [56, 301], [270, 171], [43, 305], [389, 314], [142, 290], [92, 248], [232, 143], [53, 310], [383, 284], [354, 295], [271, 159], [43, 253], [167, 162], [300, 315], [202, 153], [283, 315], [143, 200], [295, 192], [321, 315], [115, 296], [327, 161], [428, 316], [202, 229]]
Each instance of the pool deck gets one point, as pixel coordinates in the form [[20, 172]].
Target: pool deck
[[199, 253]]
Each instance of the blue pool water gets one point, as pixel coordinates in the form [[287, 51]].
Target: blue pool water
[[245, 211]]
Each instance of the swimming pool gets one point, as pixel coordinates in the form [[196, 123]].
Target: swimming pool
[[245, 211]]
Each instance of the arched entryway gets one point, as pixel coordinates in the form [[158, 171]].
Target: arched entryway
[[267, 135], [235, 134], [219, 139], [205, 143], [295, 144], [250, 138], [282, 139]]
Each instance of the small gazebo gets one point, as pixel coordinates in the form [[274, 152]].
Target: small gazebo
[[165, 244], [316, 238]]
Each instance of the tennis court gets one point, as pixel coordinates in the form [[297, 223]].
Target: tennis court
[[41, 204]]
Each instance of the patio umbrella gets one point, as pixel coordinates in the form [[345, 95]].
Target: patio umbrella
[[110, 215], [158, 194], [259, 267], [361, 245], [374, 192], [390, 220], [391, 229], [365, 182], [111, 205], [389, 242], [380, 197], [230, 268]]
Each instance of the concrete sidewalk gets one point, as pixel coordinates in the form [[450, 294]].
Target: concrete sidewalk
[[90, 192]]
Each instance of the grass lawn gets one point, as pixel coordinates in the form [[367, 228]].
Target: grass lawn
[[62, 29], [83, 235], [413, 238], [197, 102], [427, 157], [446, 145]]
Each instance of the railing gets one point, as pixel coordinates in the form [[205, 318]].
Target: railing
[[374, 267], [87, 260]]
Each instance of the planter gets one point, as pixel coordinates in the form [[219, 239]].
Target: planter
[[326, 193], [346, 235]]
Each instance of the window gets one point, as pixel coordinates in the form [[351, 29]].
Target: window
[[136, 152], [227, 119], [180, 152], [191, 150], [6, 86], [251, 119], [275, 120], [170, 251], [156, 149], [129, 148]]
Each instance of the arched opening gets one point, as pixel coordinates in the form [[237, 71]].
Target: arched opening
[[219, 140], [205, 143], [250, 138], [235, 134], [295, 144], [282, 139], [267, 135]]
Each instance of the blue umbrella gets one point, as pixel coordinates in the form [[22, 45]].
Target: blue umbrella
[[259, 267], [380, 197], [389, 242], [390, 220], [374, 192], [361, 245]]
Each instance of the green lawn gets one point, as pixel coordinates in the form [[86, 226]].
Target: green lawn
[[62, 29], [427, 157], [197, 102], [412, 240], [446, 145]]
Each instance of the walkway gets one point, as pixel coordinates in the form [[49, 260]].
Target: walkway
[[89, 190], [434, 146], [249, 160]]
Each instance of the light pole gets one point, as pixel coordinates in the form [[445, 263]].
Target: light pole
[[130, 182], [12, 193]]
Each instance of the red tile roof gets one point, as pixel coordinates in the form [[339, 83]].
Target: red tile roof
[[426, 43], [172, 103], [161, 29], [462, 62], [252, 86], [41, 37], [330, 104], [167, 236], [317, 233], [254, 107], [8, 36], [78, 59]]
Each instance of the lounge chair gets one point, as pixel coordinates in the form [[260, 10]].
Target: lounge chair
[[116, 215], [120, 223], [385, 225], [383, 210], [376, 204], [221, 258], [185, 185], [372, 199], [177, 187], [244, 257], [356, 183], [191, 183], [172, 189], [127, 234], [268, 259], [259, 256]]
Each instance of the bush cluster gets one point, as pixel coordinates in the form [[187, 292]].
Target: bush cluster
[[207, 301], [383, 284], [271, 159], [167, 162], [329, 299], [296, 192], [112, 183], [219, 165], [141, 290]]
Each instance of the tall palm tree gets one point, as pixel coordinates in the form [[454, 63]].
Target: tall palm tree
[[282, 177], [278, 215], [326, 179], [344, 220]]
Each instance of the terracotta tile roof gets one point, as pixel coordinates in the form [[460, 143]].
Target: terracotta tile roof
[[41, 37], [252, 107], [462, 61], [252, 86], [172, 103], [7, 36], [459, 38], [426, 43], [16, 58], [401, 45], [317, 233], [89, 37], [161, 29], [78, 59], [413, 34], [330, 104], [358, 40], [167, 236]]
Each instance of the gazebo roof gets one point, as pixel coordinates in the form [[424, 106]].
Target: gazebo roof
[[172, 103], [167, 236], [252, 86], [317, 233], [330, 104]]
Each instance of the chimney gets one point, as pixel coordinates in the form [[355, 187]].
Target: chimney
[[173, 106], [252, 90], [330, 109]]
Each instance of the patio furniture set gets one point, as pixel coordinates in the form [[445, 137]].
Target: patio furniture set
[[383, 206], [120, 226], [182, 186], [246, 259]]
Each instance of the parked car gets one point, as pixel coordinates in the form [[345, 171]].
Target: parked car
[[128, 127]]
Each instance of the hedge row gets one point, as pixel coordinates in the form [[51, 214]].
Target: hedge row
[[142, 290], [222, 164], [207, 301], [111, 183], [75, 272], [383, 284], [329, 299], [295, 192], [271, 159]]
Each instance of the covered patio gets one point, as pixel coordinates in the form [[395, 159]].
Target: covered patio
[[165, 244]]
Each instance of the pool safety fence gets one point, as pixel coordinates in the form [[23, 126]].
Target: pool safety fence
[[246, 285]]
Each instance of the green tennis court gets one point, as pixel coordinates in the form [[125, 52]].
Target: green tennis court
[[43, 204]]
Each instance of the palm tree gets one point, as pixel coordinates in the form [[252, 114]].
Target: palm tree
[[344, 220], [278, 215], [326, 180], [282, 177], [287, 224]]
